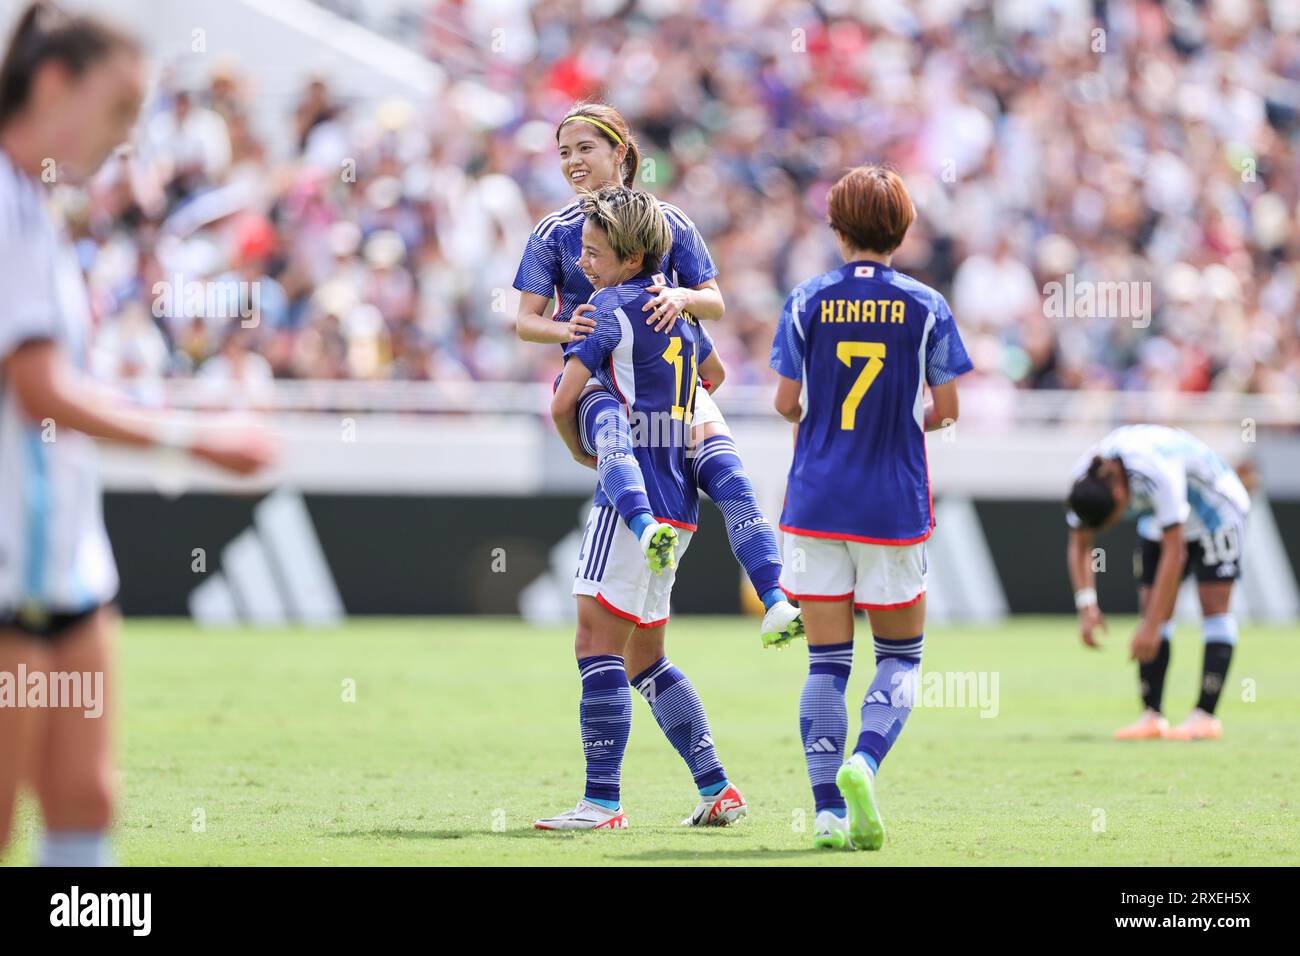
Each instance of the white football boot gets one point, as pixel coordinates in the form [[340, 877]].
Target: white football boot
[[831, 832], [659, 545], [585, 816], [782, 623], [719, 810]]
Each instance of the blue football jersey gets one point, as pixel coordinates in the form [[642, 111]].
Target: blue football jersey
[[863, 339], [550, 263], [654, 375]]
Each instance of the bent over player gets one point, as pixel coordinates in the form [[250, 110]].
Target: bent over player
[[1191, 511]]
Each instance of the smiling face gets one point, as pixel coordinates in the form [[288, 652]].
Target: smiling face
[[587, 158], [600, 263]]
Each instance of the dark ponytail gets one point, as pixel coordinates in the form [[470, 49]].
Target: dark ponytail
[[46, 34], [607, 118], [1091, 498]]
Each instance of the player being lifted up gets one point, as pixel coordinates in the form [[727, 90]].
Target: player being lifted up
[[622, 602], [1191, 510], [855, 348], [596, 148]]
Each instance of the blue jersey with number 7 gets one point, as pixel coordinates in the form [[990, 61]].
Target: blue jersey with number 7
[[655, 376], [863, 339]]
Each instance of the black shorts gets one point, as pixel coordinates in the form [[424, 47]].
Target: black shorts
[[46, 626], [1215, 557]]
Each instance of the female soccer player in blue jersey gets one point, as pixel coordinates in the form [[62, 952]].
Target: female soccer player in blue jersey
[[70, 88], [622, 602], [855, 349], [1191, 512], [598, 149]]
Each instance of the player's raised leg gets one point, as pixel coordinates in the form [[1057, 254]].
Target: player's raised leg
[[721, 475], [73, 775], [605, 719], [606, 434], [1219, 628], [679, 711]]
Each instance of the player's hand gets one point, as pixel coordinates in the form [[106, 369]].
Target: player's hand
[[582, 458], [1091, 625], [242, 450], [580, 323], [668, 303], [1145, 644]]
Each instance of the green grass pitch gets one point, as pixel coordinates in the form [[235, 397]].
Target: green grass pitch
[[464, 730]]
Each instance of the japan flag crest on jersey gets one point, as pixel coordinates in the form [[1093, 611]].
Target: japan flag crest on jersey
[[864, 272]]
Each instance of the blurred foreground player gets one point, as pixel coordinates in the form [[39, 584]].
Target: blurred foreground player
[[623, 599], [1191, 511], [855, 349], [70, 88]]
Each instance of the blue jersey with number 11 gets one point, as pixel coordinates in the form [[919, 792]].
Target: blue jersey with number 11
[[864, 339], [655, 375]]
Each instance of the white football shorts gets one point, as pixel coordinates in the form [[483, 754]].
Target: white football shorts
[[612, 569], [706, 409], [877, 577]]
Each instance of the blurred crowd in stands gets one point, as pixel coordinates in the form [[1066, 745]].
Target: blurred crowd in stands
[[1066, 142]]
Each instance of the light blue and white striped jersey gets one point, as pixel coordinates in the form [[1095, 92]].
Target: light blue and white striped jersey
[[1173, 478], [54, 551], [550, 263]]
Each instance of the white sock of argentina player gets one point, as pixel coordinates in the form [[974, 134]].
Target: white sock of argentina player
[[680, 713], [1220, 632], [824, 721], [889, 698], [75, 848]]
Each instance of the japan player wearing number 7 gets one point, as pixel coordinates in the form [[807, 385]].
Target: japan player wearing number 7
[[855, 349]]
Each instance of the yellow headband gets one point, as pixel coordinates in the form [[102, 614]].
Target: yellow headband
[[595, 122]]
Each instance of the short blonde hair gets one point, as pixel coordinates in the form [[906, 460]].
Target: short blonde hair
[[631, 220]]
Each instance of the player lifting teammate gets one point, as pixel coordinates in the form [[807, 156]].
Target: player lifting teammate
[[622, 603], [596, 149]]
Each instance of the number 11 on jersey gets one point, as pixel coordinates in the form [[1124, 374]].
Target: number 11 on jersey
[[673, 356]]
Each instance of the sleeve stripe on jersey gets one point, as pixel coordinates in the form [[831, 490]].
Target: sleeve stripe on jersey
[[554, 221], [675, 215], [939, 372]]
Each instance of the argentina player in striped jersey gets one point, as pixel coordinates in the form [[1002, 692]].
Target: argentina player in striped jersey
[[623, 604], [1191, 512], [855, 349], [597, 149], [70, 89]]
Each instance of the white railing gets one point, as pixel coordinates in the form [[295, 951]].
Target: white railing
[[992, 409]]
